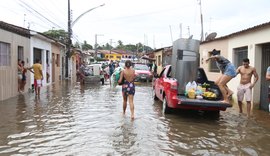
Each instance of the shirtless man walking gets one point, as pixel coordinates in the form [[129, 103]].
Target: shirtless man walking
[[245, 88]]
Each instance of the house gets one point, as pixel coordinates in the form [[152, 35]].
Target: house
[[74, 62], [117, 55], [111, 55], [162, 57], [41, 48], [252, 43], [14, 45], [58, 61]]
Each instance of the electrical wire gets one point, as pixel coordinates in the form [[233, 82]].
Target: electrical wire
[[35, 11]]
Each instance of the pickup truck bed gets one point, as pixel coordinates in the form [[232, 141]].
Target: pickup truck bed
[[203, 103]]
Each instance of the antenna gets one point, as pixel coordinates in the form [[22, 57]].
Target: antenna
[[211, 36]]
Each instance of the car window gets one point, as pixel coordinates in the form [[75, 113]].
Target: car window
[[169, 74], [141, 67]]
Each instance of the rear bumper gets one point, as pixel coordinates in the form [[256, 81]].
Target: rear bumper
[[199, 104], [143, 77]]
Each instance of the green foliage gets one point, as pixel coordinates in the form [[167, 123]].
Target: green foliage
[[77, 45], [59, 35], [86, 46]]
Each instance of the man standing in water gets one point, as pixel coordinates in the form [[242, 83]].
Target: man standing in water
[[245, 88], [38, 76]]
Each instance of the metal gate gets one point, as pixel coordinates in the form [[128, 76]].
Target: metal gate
[[264, 84]]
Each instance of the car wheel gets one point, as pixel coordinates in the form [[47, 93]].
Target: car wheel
[[165, 108]]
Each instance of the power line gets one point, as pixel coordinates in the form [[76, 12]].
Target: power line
[[39, 13], [49, 12]]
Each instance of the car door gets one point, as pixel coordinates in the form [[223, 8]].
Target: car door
[[159, 85]]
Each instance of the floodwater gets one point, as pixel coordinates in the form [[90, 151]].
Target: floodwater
[[77, 120]]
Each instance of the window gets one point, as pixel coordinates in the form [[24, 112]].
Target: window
[[20, 53], [239, 55], [213, 66], [111, 56], [5, 56], [159, 60]]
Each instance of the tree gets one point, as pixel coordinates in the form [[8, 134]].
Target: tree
[[59, 35], [120, 45], [77, 45], [86, 46]]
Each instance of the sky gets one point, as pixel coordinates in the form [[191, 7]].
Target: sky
[[155, 23]]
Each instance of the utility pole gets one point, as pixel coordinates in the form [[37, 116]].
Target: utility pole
[[96, 35], [202, 35], [69, 40]]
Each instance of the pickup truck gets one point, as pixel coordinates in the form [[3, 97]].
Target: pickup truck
[[165, 89]]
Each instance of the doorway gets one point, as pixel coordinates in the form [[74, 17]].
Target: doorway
[[264, 84]]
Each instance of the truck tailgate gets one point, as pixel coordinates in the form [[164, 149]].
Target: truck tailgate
[[202, 102]]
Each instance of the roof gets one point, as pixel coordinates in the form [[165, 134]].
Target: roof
[[15, 29], [255, 28], [164, 48]]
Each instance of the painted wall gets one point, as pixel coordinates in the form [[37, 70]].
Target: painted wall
[[56, 62], [45, 45], [158, 56], [221, 45], [9, 74]]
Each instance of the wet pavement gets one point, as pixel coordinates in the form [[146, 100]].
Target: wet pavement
[[76, 120]]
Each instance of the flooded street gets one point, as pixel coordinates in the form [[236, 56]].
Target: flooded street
[[76, 120]]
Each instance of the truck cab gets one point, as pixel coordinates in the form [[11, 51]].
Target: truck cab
[[165, 89]]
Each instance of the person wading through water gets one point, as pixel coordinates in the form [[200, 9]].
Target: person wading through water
[[128, 87]]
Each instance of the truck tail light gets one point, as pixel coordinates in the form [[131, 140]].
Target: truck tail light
[[174, 86]]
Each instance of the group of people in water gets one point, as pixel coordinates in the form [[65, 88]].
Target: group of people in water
[[36, 69], [228, 72]]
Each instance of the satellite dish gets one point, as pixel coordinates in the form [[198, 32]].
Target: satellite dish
[[211, 36]]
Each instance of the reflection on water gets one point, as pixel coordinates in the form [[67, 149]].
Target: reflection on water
[[88, 120]]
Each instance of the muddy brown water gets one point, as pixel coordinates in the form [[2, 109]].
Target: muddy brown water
[[75, 120]]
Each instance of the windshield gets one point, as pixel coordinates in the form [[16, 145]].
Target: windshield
[[141, 67]]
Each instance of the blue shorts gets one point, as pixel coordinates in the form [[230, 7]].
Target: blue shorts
[[230, 70]]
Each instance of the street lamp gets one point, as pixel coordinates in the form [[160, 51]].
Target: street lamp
[[74, 22], [70, 25]]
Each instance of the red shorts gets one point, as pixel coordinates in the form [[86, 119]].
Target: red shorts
[[38, 83]]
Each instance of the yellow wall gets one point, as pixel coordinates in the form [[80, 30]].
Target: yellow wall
[[114, 57], [158, 57]]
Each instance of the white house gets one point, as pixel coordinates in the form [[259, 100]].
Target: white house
[[252, 43]]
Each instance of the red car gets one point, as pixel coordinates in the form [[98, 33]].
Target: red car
[[166, 89], [142, 72]]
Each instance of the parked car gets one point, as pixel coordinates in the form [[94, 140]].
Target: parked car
[[142, 72], [94, 74], [166, 90]]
